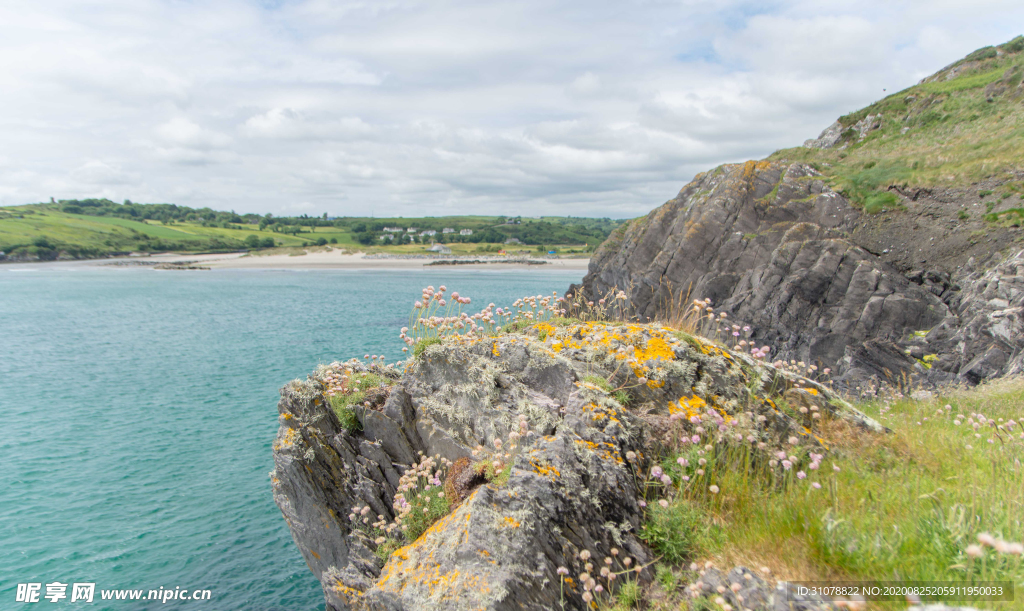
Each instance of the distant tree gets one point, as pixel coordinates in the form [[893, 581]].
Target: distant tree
[[267, 242], [365, 238], [252, 241], [321, 241], [334, 240]]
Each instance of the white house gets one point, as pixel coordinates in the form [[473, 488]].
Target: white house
[[447, 230], [440, 248], [466, 232], [411, 230], [393, 229], [428, 233]]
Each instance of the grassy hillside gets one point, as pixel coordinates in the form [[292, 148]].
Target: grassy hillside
[[915, 504], [963, 125], [93, 228]]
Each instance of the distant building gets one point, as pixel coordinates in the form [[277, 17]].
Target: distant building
[[466, 232], [513, 241], [428, 233], [385, 237], [440, 248], [411, 230], [447, 230], [393, 229]]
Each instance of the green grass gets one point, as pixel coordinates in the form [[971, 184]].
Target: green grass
[[423, 344], [88, 233], [598, 381], [937, 134], [344, 404], [902, 506]]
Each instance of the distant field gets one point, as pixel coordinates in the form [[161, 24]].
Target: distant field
[[92, 228]]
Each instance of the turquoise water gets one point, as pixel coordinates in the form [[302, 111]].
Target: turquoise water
[[139, 408]]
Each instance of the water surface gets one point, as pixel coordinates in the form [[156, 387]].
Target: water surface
[[139, 408]]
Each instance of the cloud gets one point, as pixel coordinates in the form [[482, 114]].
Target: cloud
[[412, 108]]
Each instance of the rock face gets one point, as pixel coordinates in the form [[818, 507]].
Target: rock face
[[778, 250], [576, 481]]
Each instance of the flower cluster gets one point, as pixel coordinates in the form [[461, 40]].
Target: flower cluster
[[419, 502], [436, 316], [500, 459], [998, 545], [599, 575]]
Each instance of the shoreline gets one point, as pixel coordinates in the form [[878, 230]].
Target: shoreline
[[319, 259]]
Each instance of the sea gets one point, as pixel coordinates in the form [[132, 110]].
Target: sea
[[138, 410]]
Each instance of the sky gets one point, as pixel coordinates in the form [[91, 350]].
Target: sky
[[429, 108]]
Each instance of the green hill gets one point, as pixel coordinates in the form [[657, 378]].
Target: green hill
[[960, 126], [92, 228]]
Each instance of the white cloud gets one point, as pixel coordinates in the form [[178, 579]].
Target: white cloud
[[411, 107]]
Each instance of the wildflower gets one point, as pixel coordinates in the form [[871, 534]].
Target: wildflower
[[665, 479], [714, 489], [835, 468], [562, 571], [801, 474], [815, 485], [663, 503], [656, 472], [792, 441], [974, 551], [786, 465], [986, 539], [682, 461], [584, 555], [631, 455]]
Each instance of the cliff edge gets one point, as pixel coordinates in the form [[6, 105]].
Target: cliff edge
[[583, 409], [887, 249]]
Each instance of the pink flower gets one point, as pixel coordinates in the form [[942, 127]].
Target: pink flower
[[713, 489], [663, 503], [418, 304], [815, 485], [801, 474]]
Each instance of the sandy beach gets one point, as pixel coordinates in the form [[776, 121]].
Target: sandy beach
[[319, 259]]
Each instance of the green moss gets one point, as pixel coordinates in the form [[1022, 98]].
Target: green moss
[[423, 344], [599, 382]]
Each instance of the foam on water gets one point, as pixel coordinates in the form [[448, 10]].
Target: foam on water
[[139, 408]]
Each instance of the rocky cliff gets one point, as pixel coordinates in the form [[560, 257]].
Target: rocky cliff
[[591, 405], [886, 248], [779, 250]]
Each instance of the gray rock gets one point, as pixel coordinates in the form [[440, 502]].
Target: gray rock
[[768, 243], [572, 485], [828, 138]]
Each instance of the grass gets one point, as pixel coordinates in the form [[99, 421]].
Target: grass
[[82, 235], [942, 133], [423, 344], [355, 391], [901, 506]]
